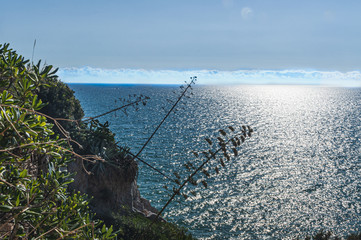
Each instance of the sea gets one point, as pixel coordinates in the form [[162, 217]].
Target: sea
[[299, 172]]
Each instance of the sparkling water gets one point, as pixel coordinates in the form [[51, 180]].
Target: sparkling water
[[297, 174]]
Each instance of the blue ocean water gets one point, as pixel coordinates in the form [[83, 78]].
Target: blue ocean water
[[299, 173]]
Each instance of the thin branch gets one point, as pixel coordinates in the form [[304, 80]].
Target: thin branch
[[38, 225], [176, 192], [113, 110], [166, 116], [77, 229], [61, 128], [149, 165], [7, 118], [11, 185], [46, 232]]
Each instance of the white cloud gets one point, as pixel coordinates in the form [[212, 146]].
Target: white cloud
[[246, 13], [227, 3], [141, 76]]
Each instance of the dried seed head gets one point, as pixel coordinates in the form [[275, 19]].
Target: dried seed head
[[222, 163], [208, 141], [222, 132], [205, 184], [193, 182], [176, 191], [234, 142], [231, 128], [205, 172], [190, 165], [238, 141], [213, 155], [177, 175], [195, 153], [235, 152]]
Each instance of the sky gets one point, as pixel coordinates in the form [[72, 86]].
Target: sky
[[125, 39]]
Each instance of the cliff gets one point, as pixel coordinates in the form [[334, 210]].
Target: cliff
[[44, 144], [112, 191]]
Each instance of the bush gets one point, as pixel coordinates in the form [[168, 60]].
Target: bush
[[34, 202]]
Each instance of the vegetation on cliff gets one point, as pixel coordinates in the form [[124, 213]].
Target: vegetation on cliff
[[41, 133], [34, 201]]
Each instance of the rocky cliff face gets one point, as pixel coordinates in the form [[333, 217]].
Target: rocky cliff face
[[113, 190]]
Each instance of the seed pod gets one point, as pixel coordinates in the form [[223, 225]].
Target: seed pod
[[209, 141], [190, 165], [235, 152], [205, 172], [193, 182], [222, 132], [222, 163], [206, 154], [177, 175], [238, 141], [217, 170], [244, 133], [187, 166], [195, 153], [176, 191], [234, 142], [212, 154], [224, 149], [205, 184], [231, 128]]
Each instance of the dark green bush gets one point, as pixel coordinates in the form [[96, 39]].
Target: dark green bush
[[34, 202]]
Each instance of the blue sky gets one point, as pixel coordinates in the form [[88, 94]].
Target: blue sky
[[226, 35]]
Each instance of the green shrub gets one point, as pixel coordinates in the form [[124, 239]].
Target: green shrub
[[34, 202]]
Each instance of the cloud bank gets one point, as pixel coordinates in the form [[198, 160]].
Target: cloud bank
[[140, 76]]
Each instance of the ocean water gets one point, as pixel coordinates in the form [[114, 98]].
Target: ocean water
[[300, 171]]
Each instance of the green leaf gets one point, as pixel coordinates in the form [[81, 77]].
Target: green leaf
[[17, 201], [5, 208], [23, 173]]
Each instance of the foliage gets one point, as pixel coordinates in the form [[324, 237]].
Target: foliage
[[91, 136], [135, 225], [96, 139], [61, 102], [322, 235], [34, 203]]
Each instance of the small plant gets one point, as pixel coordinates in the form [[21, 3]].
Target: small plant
[[219, 153]]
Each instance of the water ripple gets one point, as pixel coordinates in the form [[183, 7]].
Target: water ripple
[[299, 173]]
